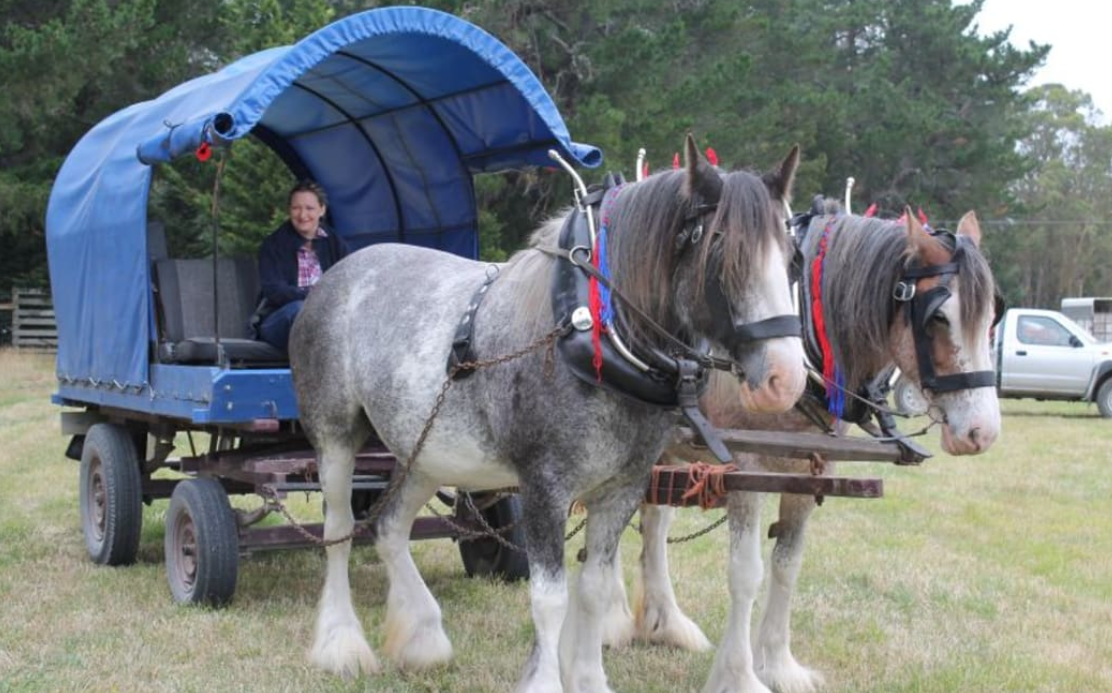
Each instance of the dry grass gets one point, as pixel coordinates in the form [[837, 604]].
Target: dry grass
[[978, 574]]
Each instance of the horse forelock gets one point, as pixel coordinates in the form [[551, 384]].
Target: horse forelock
[[976, 286], [748, 221]]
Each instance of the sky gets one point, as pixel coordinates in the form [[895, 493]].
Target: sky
[[1077, 33]]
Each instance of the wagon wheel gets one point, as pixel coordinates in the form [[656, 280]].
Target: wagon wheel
[[909, 399], [202, 544], [488, 556], [111, 495], [362, 500]]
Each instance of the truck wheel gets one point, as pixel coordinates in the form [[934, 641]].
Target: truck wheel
[[909, 399], [1104, 399], [488, 556], [202, 544], [111, 495]]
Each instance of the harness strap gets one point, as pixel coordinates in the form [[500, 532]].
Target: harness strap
[[584, 264], [462, 348]]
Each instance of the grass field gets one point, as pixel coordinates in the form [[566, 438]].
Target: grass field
[[991, 573]]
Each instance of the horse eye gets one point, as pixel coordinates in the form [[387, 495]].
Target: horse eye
[[940, 319]]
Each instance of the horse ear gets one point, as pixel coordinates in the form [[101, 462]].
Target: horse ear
[[927, 249], [781, 179], [701, 177], [970, 227]]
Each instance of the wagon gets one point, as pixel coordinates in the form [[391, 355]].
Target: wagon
[[393, 111]]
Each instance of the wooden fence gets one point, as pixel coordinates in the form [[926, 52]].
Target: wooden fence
[[33, 324]]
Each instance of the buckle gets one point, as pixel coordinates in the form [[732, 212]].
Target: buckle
[[904, 291]]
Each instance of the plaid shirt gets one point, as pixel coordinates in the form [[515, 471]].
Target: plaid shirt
[[308, 264]]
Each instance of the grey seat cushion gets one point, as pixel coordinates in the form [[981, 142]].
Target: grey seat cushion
[[189, 313]]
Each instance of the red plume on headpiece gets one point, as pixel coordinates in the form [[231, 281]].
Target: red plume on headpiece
[[676, 160], [203, 152], [712, 156], [645, 170], [871, 211], [922, 217]]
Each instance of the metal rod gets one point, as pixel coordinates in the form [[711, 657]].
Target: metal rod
[[580, 189], [640, 165]]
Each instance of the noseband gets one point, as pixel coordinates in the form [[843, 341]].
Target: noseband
[[922, 306]]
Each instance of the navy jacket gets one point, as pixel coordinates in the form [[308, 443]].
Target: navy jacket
[[278, 263]]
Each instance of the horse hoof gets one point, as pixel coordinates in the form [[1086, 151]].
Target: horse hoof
[[421, 648], [345, 652], [673, 630], [789, 676], [618, 630]]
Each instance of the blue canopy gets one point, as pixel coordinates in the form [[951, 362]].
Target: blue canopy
[[391, 110]]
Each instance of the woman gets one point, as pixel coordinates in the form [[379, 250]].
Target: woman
[[292, 259]]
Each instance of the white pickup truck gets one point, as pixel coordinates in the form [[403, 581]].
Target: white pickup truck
[[1045, 355]]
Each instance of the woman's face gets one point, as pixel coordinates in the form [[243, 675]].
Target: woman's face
[[305, 213]]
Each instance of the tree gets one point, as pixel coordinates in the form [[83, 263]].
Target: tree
[[1057, 240], [67, 65]]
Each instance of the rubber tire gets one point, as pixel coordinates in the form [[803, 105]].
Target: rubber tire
[[486, 556], [111, 495], [1104, 398], [361, 503], [201, 520], [908, 399]]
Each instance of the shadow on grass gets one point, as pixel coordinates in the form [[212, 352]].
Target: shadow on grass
[[1051, 415]]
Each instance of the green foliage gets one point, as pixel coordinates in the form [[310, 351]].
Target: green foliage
[[1056, 241], [902, 95]]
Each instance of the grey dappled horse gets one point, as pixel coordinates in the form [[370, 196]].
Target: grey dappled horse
[[369, 351], [869, 332]]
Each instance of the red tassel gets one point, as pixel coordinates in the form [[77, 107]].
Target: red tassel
[[594, 303], [817, 314], [712, 156], [204, 152], [922, 217], [645, 170], [676, 160], [871, 211]]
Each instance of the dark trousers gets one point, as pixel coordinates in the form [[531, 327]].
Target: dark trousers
[[275, 328]]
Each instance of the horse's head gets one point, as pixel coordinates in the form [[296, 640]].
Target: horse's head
[[947, 300], [731, 275]]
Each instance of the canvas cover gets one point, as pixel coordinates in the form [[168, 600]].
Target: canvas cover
[[392, 110]]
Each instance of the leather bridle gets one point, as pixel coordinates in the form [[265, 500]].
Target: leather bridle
[[922, 306]]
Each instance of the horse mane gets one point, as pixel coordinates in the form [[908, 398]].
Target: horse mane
[[645, 220], [865, 259]]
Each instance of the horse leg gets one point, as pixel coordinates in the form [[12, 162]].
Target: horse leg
[[581, 668], [732, 671], [415, 636], [545, 516], [659, 618], [617, 624], [339, 645], [774, 661]]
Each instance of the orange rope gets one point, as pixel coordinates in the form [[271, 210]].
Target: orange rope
[[705, 482]]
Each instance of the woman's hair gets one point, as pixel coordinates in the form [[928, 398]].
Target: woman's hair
[[309, 186]]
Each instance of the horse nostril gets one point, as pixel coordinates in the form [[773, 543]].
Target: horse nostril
[[773, 383], [974, 434]]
